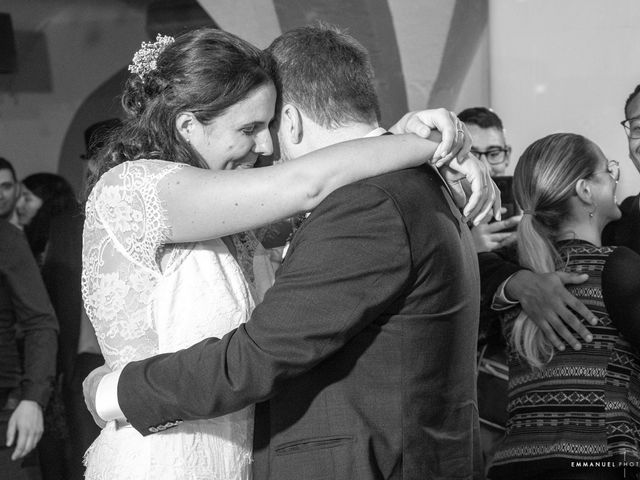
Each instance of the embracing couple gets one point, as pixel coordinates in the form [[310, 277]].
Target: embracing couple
[[360, 361]]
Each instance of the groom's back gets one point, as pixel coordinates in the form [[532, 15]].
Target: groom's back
[[398, 399]]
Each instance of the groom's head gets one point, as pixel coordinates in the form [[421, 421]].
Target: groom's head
[[325, 84]]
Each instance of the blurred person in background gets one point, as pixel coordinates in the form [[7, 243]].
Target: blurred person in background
[[44, 196], [626, 231], [489, 145], [572, 413], [9, 191], [544, 296], [53, 220], [25, 380]]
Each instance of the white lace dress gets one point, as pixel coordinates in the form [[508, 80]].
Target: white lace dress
[[140, 309]]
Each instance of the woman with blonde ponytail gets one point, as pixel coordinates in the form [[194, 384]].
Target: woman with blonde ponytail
[[570, 412]]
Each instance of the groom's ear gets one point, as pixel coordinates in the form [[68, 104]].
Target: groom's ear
[[185, 122], [291, 123]]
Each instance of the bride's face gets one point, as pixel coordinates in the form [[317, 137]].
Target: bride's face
[[236, 138]]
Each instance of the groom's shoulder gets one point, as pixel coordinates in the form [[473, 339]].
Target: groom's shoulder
[[402, 186], [401, 182], [409, 182]]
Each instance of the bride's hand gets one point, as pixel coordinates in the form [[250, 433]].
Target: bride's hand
[[90, 389], [456, 139], [472, 176]]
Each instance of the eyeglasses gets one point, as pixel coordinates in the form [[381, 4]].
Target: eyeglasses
[[613, 169], [632, 127], [494, 155]]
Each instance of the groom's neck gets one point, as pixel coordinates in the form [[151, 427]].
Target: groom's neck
[[323, 137]]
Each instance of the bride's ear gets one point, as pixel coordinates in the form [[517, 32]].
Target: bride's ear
[[185, 123]]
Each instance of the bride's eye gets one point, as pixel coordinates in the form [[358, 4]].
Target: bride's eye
[[249, 130]]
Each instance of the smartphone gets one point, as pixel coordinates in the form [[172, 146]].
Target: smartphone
[[505, 185]]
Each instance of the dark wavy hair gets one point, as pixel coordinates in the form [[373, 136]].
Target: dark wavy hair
[[205, 72], [57, 197]]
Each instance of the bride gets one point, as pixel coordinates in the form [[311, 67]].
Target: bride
[[167, 255]]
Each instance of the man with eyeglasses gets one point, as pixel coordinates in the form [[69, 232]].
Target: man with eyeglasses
[[490, 146], [489, 143], [626, 231]]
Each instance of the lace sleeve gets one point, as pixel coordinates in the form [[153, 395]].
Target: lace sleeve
[[125, 227], [129, 208]]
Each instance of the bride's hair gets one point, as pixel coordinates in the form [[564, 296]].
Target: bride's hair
[[205, 72], [543, 182]]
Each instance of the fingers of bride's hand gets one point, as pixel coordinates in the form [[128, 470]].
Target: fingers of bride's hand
[[483, 209], [417, 126], [473, 203], [497, 201], [466, 145], [459, 139], [458, 193], [447, 125]]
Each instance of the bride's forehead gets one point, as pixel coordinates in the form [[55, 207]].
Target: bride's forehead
[[258, 106]]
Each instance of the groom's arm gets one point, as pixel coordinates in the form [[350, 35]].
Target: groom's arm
[[348, 262]]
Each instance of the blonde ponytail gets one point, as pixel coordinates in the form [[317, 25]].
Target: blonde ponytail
[[544, 180]]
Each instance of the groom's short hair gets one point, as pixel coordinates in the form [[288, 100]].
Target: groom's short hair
[[327, 74]]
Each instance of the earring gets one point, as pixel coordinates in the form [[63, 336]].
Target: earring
[[592, 212]]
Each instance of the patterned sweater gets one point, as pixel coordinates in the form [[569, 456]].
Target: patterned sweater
[[583, 405]]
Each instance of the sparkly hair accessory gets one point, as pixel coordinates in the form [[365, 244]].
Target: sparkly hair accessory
[[144, 60]]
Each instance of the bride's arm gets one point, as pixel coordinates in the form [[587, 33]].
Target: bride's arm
[[202, 204]]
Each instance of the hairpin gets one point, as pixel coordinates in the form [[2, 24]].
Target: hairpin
[[144, 60]]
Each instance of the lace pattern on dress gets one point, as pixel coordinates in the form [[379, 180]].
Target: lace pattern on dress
[[140, 309], [246, 244], [125, 227]]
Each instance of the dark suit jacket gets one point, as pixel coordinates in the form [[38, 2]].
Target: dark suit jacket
[[626, 231], [362, 354]]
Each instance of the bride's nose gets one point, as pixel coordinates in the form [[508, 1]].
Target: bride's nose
[[263, 143]]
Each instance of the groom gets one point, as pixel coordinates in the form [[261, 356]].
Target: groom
[[361, 357]]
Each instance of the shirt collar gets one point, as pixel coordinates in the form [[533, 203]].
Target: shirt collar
[[376, 132]]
